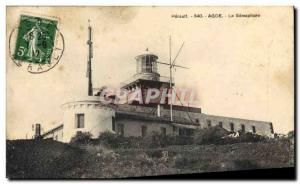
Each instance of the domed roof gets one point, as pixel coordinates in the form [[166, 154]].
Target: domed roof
[[145, 53]]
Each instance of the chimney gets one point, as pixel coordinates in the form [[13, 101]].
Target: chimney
[[37, 133]]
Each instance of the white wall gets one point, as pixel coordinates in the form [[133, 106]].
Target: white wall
[[134, 127], [97, 118], [262, 127]]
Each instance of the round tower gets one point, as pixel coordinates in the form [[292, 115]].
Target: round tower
[[86, 114], [146, 66]]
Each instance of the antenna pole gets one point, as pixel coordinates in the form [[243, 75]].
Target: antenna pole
[[90, 56], [171, 87]]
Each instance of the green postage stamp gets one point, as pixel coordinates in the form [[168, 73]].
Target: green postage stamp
[[35, 40], [38, 43]]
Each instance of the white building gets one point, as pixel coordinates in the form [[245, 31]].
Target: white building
[[89, 114]]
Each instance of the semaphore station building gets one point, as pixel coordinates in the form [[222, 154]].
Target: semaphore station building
[[147, 108]]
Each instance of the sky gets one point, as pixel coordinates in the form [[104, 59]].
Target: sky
[[240, 67]]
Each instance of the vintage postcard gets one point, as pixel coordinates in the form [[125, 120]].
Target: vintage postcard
[[123, 92]]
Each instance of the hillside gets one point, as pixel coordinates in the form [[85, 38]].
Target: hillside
[[51, 159]]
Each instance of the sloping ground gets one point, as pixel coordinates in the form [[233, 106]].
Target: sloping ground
[[40, 158], [50, 159]]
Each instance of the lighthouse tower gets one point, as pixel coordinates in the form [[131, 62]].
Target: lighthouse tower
[[146, 66], [146, 77]]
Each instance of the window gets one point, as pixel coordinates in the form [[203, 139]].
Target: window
[[79, 119], [243, 128], [148, 64], [221, 124], [181, 131], [253, 129], [197, 121], [154, 65], [271, 128], [186, 132], [113, 125], [143, 61], [174, 128], [163, 131], [190, 132], [144, 131], [232, 127], [139, 66], [120, 129], [208, 123]]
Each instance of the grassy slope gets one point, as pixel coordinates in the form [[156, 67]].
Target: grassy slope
[[50, 159], [40, 158]]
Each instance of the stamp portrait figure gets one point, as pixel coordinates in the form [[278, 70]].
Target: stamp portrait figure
[[32, 38]]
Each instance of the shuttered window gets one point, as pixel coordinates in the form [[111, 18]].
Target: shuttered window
[[79, 120]]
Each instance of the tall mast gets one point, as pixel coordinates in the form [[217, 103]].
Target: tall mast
[[89, 66], [171, 87], [172, 65]]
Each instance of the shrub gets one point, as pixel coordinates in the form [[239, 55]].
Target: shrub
[[212, 135], [81, 138], [218, 135], [112, 140], [155, 140], [108, 138], [291, 135], [250, 137], [159, 140]]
